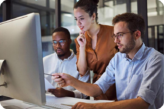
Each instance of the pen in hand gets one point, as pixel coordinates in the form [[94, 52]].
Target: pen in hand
[[48, 74], [58, 86]]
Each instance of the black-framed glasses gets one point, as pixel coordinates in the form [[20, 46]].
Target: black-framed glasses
[[119, 35], [61, 42]]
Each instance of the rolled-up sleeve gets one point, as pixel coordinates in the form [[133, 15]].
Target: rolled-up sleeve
[[108, 77], [152, 82]]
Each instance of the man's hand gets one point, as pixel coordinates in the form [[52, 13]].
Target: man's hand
[[63, 79], [81, 105], [60, 92]]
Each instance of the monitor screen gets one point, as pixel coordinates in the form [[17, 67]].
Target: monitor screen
[[20, 47]]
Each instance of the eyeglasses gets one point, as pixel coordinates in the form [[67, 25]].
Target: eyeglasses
[[61, 42], [119, 35]]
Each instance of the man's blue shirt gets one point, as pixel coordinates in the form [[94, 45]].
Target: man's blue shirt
[[140, 77]]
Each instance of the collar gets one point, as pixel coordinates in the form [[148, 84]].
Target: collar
[[139, 53], [69, 58]]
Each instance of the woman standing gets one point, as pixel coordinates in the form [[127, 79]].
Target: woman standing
[[95, 46]]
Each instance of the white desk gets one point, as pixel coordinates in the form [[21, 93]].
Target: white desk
[[50, 101], [17, 104]]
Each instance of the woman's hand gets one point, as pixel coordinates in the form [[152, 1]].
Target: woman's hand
[[81, 39]]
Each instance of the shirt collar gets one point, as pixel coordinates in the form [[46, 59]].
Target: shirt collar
[[139, 53], [71, 56]]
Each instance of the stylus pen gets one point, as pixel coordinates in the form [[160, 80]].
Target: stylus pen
[[58, 86], [48, 74]]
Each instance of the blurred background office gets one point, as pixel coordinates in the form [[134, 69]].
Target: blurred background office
[[56, 13]]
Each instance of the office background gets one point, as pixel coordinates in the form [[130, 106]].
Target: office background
[[56, 13]]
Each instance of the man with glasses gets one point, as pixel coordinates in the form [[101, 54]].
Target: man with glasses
[[63, 60], [136, 70]]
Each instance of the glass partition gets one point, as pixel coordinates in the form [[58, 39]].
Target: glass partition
[[134, 6], [68, 20], [110, 8], [1, 18], [46, 9], [36, 2]]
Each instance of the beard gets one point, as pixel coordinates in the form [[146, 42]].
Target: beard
[[129, 46], [60, 55]]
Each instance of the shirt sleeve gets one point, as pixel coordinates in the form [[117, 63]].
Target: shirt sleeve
[[152, 83], [108, 77]]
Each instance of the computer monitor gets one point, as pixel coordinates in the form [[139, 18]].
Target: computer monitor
[[20, 47]]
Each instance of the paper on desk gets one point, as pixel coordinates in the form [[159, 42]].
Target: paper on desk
[[69, 100], [87, 101], [48, 85]]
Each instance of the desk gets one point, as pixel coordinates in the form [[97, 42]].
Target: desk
[[18, 104], [50, 101]]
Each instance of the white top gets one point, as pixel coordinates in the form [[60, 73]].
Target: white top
[[52, 64]]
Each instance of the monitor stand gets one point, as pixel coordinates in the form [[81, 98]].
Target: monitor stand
[[2, 71], [2, 98], [1, 65]]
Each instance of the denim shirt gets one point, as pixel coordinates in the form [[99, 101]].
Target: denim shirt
[[140, 77]]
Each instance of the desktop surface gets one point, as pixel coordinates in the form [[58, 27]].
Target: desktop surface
[[52, 102]]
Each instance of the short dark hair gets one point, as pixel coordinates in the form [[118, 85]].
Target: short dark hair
[[89, 6], [61, 29], [134, 21]]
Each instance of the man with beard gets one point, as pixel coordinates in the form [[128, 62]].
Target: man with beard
[[136, 70], [63, 60]]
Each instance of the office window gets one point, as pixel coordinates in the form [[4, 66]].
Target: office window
[[134, 8], [68, 20], [36, 2], [67, 15], [52, 4], [160, 7], [110, 8], [155, 8], [46, 9], [52, 15], [47, 14], [152, 8], [19, 10], [1, 18]]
